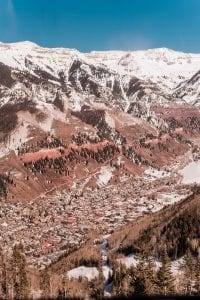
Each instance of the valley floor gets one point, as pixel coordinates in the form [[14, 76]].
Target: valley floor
[[57, 220]]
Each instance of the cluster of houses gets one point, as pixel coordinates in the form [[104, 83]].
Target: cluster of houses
[[49, 226]]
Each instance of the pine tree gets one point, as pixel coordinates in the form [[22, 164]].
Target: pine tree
[[165, 277], [144, 281], [3, 277], [116, 279], [45, 283], [63, 291], [197, 277], [19, 273], [151, 275], [64, 287], [188, 273], [139, 280], [94, 291], [122, 279]]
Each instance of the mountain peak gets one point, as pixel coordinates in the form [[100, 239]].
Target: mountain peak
[[21, 44]]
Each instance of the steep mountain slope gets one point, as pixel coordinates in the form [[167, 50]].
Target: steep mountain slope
[[189, 90], [175, 228]]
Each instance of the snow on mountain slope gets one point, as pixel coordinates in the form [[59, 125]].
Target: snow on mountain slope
[[189, 90], [162, 66], [17, 55], [42, 72], [82, 271], [133, 82]]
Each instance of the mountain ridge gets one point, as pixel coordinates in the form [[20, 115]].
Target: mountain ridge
[[119, 59]]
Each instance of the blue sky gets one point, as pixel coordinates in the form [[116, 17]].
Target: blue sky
[[103, 24]]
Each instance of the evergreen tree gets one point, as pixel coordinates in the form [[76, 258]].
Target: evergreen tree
[[45, 283], [151, 275], [3, 277], [139, 280], [94, 291], [197, 277], [120, 280], [165, 277], [144, 281], [19, 273], [64, 290], [188, 273]]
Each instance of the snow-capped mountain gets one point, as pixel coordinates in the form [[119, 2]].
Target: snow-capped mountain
[[162, 66], [38, 80], [118, 78]]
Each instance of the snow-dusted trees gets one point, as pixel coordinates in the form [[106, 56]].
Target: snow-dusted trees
[[165, 277], [190, 275]]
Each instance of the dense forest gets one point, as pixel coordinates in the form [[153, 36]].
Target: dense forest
[[143, 279], [146, 279], [179, 234]]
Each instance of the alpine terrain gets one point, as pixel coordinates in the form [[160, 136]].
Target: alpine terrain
[[99, 172]]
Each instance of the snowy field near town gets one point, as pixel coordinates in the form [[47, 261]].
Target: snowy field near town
[[82, 271], [191, 173], [132, 261]]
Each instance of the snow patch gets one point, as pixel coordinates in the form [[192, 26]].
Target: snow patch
[[129, 261], [176, 266], [164, 199], [106, 271], [19, 136], [109, 120], [154, 173], [82, 271], [132, 261], [75, 101], [191, 173], [3, 151], [52, 114], [104, 176]]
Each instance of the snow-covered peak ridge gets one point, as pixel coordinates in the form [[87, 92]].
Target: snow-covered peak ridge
[[165, 52], [15, 55], [154, 54], [20, 45], [165, 67]]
